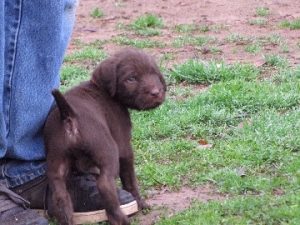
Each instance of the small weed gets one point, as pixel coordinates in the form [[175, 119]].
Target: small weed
[[146, 21], [97, 13], [276, 60], [262, 11], [147, 25], [293, 25]]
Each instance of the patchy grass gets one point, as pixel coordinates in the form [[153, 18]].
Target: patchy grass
[[138, 43], [190, 28], [262, 11], [253, 48], [242, 210], [292, 24], [72, 75], [192, 40], [238, 39], [276, 60], [87, 53], [195, 71], [258, 22], [147, 25]]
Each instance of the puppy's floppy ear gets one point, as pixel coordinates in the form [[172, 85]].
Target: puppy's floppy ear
[[105, 75]]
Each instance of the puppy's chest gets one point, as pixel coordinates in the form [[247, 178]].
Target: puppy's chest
[[119, 124]]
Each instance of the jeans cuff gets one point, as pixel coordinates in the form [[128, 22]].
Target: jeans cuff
[[15, 172]]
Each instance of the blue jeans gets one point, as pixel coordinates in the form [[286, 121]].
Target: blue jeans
[[33, 38]]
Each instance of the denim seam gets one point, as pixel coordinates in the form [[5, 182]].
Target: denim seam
[[10, 74], [21, 179]]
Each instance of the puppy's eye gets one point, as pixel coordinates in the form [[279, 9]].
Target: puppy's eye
[[131, 79]]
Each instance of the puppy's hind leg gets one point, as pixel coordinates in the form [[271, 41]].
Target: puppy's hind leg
[[60, 205], [107, 161]]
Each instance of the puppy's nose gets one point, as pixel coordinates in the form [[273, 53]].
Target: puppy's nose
[[155, 92]]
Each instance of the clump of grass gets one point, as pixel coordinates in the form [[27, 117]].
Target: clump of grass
[[147, 25], [274, 39], [262, 11], [138, 43], [293, 25], [237, 38], [276, 60], [258, 22], [195, 71], [253, 48], [97, 13]]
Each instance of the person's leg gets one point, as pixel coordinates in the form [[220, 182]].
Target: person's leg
[[33, 38], [2, 46], [36, 36]]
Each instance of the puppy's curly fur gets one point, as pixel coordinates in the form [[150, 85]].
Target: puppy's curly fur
[[91, 123]]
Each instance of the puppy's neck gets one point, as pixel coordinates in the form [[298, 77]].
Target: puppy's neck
[[95, 83]]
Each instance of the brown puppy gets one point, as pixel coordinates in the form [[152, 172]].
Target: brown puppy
[[91, 123]]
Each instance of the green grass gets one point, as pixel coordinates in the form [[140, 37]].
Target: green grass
[[241, 211], [276, 60], [138, 43], [258, 22], [238, 38], [192, 40], [86, 53], [72, 75], [97, 13], [195, 71], [190, 28], [147, 25], [253, 48], [262, 11], [292, 25]]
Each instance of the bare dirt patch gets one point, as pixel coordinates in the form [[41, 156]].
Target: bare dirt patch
[[166, 203]]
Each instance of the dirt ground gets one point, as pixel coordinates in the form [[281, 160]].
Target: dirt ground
[[231, 16]]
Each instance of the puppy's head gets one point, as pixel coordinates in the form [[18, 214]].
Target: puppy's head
[[132, 78]]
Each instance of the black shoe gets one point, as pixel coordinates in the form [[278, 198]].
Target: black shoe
[[88, 207], [14, 210]]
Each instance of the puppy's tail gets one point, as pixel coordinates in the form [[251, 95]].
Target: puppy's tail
[[66, 111]]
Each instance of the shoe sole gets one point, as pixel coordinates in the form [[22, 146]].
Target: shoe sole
[[99, 215]]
